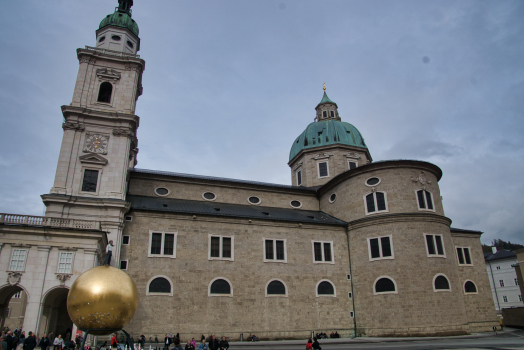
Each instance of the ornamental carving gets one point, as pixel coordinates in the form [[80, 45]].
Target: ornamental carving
[[299, 164], [84, 59], [421, 178], [354, 155], [73, 126], [63, 277], [133, 67], [123, 132], [14, 277], [321, 156], [107, 74], [92, 61]]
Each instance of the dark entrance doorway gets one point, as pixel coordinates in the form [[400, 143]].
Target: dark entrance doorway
[[54, 314]]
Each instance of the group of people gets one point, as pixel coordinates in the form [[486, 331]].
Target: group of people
[[17, 340], [312, 344]]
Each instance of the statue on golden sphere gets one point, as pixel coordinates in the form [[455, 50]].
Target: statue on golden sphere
[[102, 299]]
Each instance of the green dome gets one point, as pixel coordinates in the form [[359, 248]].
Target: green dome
[[327, 132], [120, 19]]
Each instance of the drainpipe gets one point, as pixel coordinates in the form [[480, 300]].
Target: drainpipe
[[37, 328], [352, 292]]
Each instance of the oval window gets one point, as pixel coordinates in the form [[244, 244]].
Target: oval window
[[161, 191], [254, 200], [210, 196], [101, 39], [116, 37], [332, 198], [373, 181], [296, 204], [130, 44]]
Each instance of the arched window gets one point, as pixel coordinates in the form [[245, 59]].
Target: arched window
[[106, 89], [385, 285], [425, 200], [441, 283], [220, 286], [159, 285], [276, 287], [375, 202], [325, 288], [470, 287]]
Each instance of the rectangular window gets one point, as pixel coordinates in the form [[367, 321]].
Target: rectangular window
[[65, 262], [162, 244], [350, 295], [275, 250], [90, 180], [332, 114], [498, 268], [425, 200], [520, 297], [324, 114], [323, 252], [352, 164], [516, 281], [375, 202], [435, 246], [17, 295], [299, 177], [501, 282], [221, 248], [129, 218], [505, 298], [18, 260], [351, 314], [323, 169], [125, 240], [463, 255], [380, 248], [123, 265]]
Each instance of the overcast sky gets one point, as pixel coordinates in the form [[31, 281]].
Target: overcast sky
[[229, 85]]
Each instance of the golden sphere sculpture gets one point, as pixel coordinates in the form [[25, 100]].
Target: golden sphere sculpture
[[103, 297]]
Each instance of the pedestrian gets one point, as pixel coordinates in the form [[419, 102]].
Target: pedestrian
[[177, 345], [167, 341], [114, 342], [203, 345], [495, 329], [193, 342], [316, 345], [29, 342], [309, 344], [189, 345], [213, 343], [44, 342], [9, 340], [109, 253], [223, 345], [58, 342], [3, 342]]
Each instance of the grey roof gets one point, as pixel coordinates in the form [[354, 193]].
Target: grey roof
[[499, 255], [213, 178], [454, 229], [231, 210]]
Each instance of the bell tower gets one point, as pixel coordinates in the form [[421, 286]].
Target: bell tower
[[99, 143]]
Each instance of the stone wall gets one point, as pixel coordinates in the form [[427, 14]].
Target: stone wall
[[191, 312], [513, 317]]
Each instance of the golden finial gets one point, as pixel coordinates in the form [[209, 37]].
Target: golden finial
[[324, 87]]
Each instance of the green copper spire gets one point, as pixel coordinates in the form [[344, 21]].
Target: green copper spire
[[325, 99], [121, 17]]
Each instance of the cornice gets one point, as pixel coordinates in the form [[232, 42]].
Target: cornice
[[93, 54], [381, 165], [95, 113], [86, 201], [398, 217]]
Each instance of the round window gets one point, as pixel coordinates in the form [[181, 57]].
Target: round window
[[210, 196], [116, 37], [101, 39], [254, 200], [332, 198], [296, 204], [161, 191], [130, 44], [372, 181]]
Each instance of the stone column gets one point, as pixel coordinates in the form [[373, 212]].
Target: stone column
[[37, 265]]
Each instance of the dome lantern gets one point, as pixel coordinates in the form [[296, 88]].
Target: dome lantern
[[118, 31]]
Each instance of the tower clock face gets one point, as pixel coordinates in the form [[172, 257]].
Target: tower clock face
[[96, 143]]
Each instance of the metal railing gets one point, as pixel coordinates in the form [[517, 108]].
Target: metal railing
[[111, 52], [15, 219]]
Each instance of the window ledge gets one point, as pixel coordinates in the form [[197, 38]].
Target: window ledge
[[324, 262], [378, 212], [222, 259], [386, 258], [275, 261], [159, 256]]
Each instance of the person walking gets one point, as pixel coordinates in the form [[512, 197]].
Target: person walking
[[114, 342], [309, 344], [316, 345], [44, 342], [202, 345], [29, 342]]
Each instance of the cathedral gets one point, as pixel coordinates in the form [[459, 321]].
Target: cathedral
[[351, 245]]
